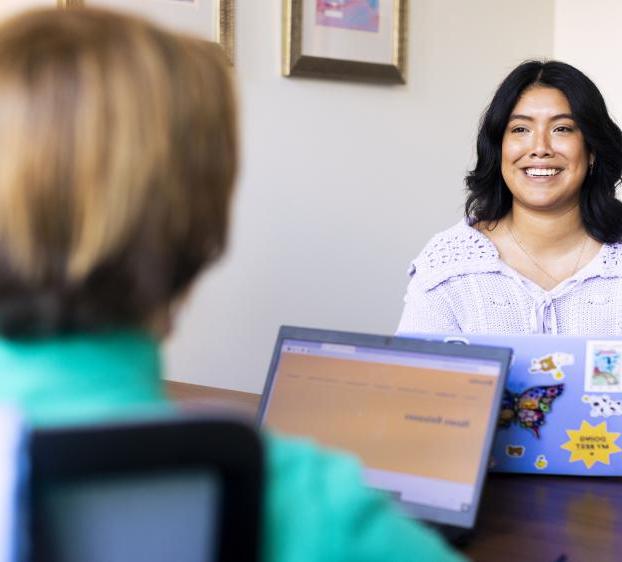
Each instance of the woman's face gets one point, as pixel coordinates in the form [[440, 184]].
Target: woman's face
[[544, 158]]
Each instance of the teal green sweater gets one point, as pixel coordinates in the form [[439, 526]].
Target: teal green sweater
[[316, 508]]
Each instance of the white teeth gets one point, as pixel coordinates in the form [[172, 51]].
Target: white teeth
[[542, 171]]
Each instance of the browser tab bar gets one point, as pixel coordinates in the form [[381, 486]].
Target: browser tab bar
[[338, 348]]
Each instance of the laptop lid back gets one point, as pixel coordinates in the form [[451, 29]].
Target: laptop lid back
[[562, 408]]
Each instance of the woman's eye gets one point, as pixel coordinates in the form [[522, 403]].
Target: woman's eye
[[519, 129], [564, 129]]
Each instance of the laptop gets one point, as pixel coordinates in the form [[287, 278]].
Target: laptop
[[175, 487], [562, 408], [420, 415]]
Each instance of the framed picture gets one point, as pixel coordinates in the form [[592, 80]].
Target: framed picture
[[210, 19], [346, 39]]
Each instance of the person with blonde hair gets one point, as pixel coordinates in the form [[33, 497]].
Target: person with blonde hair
[[118, 156]]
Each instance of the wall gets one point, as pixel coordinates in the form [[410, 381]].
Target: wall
[[343, 183], [587, 35]]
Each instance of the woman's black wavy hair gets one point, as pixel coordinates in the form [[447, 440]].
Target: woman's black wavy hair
[[488, 197]]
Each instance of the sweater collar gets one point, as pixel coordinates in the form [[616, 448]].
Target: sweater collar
[[82, 377], [463, 250], [459, 250]]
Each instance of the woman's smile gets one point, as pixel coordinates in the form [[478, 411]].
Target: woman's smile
[[541, 173]]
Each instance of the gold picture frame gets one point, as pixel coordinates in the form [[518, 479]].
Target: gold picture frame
[[223, 32], [382, 54]]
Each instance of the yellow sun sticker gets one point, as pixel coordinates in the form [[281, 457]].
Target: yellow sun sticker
[[591, 444]]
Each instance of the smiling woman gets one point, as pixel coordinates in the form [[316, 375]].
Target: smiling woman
[[539, 251]]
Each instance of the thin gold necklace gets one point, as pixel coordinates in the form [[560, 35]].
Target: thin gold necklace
[[535, 261]]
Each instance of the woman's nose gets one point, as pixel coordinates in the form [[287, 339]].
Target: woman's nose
[[541, 147]]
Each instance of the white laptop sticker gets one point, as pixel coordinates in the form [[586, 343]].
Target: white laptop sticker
[[552, 363], [603, 366]]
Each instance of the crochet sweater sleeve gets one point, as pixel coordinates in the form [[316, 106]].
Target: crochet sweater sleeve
[[426, 311]]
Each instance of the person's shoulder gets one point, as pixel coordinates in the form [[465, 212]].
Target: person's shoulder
[[307, 489], [312, 491], [458, 250], [303, 460]]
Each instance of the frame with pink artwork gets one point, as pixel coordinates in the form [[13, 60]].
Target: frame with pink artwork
[[346, 39]]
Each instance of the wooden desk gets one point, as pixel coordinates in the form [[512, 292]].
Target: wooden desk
[[523, 518], [190, 394]]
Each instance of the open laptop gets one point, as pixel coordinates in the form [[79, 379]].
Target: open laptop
[[420, 415], [562, 408]]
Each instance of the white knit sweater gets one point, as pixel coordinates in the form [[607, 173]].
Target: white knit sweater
[[460, 285]]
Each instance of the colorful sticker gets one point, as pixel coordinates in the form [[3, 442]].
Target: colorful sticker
[[528, 408], [603, 366], [591, 444], [515, 451], [602, 405], [552, 364], [541, 463]]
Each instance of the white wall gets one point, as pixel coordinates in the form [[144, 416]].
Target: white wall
[[343, 183], [588, 36]]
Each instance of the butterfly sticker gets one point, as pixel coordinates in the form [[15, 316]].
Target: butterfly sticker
[[528, 408]]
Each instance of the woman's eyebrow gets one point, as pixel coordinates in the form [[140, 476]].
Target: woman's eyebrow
[[516, 116], [522, 117], [563, 116]]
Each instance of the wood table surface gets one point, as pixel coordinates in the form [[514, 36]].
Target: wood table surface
[[532, 518]]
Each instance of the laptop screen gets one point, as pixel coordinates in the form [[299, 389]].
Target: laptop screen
[[418, 421]]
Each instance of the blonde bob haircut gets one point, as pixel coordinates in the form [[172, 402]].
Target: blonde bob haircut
[[118, 154]]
